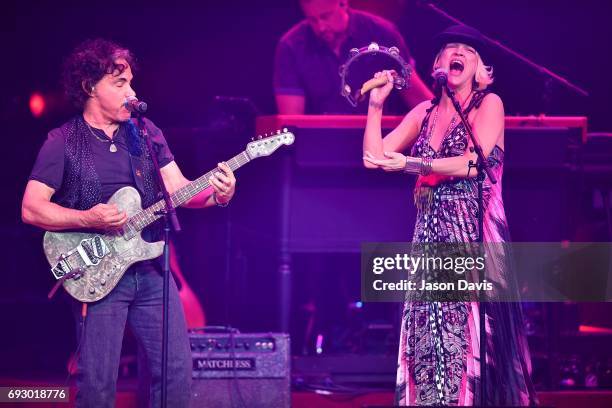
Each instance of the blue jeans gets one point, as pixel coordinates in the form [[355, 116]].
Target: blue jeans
[[137, 300]]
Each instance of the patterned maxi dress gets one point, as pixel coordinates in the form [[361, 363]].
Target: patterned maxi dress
[[439, 362]]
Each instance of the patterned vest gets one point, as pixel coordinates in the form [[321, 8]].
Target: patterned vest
[[81, 186]]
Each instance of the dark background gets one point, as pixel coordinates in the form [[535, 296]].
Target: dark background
[[191, 52]]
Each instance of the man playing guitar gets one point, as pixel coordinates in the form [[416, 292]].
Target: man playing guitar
[[79, 167]]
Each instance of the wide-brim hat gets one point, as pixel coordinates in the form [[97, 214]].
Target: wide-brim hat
[[466, 35]]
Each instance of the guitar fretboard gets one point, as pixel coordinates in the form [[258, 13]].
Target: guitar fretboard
[[140, 220]]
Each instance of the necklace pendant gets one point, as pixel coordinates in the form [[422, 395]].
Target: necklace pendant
[[112, 148]]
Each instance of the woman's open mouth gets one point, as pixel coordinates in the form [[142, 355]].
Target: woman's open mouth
[[456, 67]]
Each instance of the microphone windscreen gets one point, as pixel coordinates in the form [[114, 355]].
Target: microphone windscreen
[[440, 75]]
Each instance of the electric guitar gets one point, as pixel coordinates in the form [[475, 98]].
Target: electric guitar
[[89, 265]]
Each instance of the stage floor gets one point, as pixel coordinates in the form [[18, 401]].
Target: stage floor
[[126, 397]]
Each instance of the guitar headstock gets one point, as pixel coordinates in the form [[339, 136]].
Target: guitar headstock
[[267, 144]]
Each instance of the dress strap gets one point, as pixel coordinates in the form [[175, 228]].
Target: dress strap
[[476, 101], [435, 101], [426, 118]]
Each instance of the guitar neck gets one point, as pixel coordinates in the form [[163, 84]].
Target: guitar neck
[[147, 216]]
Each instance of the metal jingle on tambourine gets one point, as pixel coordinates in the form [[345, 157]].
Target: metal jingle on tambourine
[[399, 83], [364, 62], [373, 47], [346, 90]]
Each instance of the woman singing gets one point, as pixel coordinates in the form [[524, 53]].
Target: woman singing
[[439, 359]]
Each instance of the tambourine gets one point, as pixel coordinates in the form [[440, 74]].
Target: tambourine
[[358, 71]]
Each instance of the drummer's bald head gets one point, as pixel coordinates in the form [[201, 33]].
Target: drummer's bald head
[[327, 18]]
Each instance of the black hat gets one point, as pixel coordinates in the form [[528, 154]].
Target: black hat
[[466, 35]]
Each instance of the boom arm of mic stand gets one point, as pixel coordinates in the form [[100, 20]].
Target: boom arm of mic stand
[[477, 147], [540, 68]]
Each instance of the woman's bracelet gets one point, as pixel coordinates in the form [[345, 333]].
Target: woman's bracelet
[[413, 165], [426, 166], [418, 165]]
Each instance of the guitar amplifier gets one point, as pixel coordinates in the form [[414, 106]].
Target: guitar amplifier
[[240, 370]]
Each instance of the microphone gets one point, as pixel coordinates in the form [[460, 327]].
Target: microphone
[[398, 81], [440, 77], [134, 105]]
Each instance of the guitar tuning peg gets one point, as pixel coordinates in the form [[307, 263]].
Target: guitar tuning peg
[[278, 132], [260, 137], [285, 130]]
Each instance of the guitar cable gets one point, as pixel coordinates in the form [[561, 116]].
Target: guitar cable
[[75, 359]]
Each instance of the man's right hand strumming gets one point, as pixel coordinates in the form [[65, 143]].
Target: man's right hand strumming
[[104, 217]]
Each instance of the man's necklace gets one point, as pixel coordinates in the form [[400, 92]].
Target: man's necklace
[[112, 148]]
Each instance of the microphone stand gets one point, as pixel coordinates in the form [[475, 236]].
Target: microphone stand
[[496, 44], [170, 220], [483, 171]]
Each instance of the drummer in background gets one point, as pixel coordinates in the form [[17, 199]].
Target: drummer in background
[[309, 56]]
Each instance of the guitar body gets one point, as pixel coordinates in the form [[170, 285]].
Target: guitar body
[[96, 281]]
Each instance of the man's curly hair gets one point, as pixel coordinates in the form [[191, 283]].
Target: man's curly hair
[[88, 63]]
